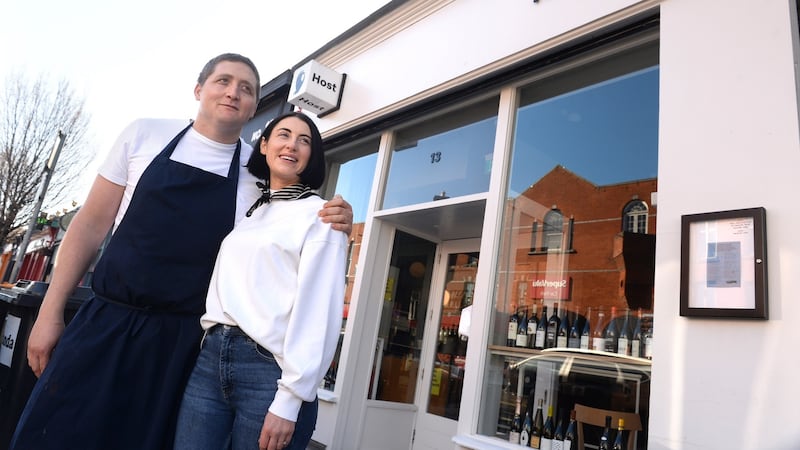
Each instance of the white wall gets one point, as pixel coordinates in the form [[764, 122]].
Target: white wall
[[461, 37], [728, 140]]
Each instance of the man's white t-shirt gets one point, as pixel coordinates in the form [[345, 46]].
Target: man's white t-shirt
[[143, 139]]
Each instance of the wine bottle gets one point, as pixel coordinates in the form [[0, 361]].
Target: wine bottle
[[586, 333], [619, 442], [513, 322], [541, 330], [538, 427], [552, 328], [452, 338], [624, 340], [647, 340], [516, 425], [563, 330], [604, 443], [636, 336], [330, 378], [598, 338], [574, 340], [558, 436], [469, 292], [522, 292], [571, 436], [522, 330], [533, 322], [611, 333], [527, 427], [548, 432]]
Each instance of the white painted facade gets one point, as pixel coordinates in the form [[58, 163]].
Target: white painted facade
[[728, 139]]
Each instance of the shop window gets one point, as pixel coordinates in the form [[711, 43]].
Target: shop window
[[573, 308], [443, 157], [351, 174], [634, 217]]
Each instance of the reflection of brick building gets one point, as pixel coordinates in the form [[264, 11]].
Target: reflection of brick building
[[353, 251], [583, 245]]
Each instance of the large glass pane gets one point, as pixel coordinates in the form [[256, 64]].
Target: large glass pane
[[565, 379], [443, 157], [354, 169], [402, 326], [574, 276], [444, 397], [354, 183]]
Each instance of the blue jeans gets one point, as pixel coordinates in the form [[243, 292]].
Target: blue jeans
[[229, 392]]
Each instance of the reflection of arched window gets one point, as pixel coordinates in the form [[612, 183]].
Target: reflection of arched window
[[553, 236], [634, 217], [553, 232], [350, 269]]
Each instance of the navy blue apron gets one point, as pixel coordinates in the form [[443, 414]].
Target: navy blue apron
[[117, 375]]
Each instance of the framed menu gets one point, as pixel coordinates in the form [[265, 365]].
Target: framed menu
[[724, 264]]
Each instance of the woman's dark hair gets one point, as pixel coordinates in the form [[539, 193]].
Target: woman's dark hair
[[314, 173]]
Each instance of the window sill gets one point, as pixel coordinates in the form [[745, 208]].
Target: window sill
[[325, 395], [548, 252], [476, 442]]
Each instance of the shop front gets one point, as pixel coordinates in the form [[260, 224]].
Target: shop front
[[517, 192]]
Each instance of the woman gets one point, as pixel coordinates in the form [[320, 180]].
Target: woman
[[274, 307]]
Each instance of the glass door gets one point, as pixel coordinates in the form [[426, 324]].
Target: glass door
[[402, 325], [444, 349]]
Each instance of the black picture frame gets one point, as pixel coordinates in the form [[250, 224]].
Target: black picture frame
[[724, 264]]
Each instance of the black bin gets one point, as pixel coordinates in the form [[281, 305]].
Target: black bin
[[19, 307]]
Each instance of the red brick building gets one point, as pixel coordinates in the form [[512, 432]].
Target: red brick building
[[583, 245]]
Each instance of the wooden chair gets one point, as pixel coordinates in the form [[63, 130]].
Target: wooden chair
[[597, 417]]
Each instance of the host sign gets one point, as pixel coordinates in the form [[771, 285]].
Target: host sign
[[316, 88]]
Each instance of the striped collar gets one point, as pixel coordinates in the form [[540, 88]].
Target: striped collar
[[291, 192]]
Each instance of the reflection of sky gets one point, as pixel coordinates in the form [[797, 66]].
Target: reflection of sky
[[355, 183], [456, 162], [606, 133]]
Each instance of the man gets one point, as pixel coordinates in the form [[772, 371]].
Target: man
[[172, 191]]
